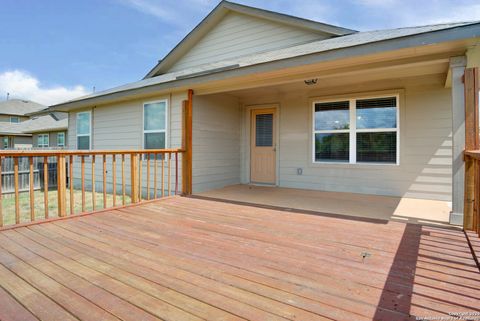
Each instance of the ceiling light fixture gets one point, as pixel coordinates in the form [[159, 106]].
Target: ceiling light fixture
[[310, 82]]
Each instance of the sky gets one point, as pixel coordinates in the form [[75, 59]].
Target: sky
[[55, 50]]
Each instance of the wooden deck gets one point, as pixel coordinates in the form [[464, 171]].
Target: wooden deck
[[191, 259]]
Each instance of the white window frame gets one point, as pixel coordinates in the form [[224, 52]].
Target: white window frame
[[167, 111], [16, 122], [43, 136], [58, 136], [352, 131], [83, 135]]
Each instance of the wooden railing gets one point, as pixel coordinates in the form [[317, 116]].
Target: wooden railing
[[472, 188], [87, 181]]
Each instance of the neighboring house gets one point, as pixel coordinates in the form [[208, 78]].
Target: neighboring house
[[25, 124], [284, 101]]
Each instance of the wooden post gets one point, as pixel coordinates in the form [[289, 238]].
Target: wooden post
[[123, 179], [70, 183], [187, 145], [45, 184], [17, 195], [61, 185], [104, 186], [133, 177], [83, 182], [470, 221], [94, 194], [1, 196], [114, 180], [31, 182]]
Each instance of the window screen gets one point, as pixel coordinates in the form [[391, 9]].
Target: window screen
[[264, 130]]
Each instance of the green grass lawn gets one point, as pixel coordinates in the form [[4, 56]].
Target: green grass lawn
[[8, 204]]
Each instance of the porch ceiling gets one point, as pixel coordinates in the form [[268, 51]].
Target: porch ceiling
[[432, 68]]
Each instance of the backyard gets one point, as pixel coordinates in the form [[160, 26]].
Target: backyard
[[8, 204]]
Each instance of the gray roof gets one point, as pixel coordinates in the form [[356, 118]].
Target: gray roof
[[315, 47], [19, 107], [45, 123], [13, 129]]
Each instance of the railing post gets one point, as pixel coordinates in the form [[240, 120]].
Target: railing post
[[471, 80], [134, 177], [61, 185], [187, 145]]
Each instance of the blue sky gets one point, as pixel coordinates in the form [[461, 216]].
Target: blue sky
[[54, 50]]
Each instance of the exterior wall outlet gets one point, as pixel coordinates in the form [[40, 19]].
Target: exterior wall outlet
[[299, 171]]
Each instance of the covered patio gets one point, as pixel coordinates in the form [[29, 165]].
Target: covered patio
[[400, 209]]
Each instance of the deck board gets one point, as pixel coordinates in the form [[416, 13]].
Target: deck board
[[192, 259]]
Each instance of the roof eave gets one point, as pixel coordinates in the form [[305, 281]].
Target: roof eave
[[428, 38]]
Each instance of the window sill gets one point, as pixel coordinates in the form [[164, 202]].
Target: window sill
[[337, 165]]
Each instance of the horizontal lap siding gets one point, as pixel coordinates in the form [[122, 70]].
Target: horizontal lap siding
[[216, 142], [120, 126], [238, 35], [425, 169]]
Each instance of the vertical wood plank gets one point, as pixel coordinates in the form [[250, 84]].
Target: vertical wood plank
[[31, 185], [148, 176], [163, 174], [123, 179], [169, 174], [15, 178], [155, 164], [61, 185], [70, 182], [104, 158], [133, 177], [83, 182], [176, 173], [94, 194], [45, 185], [140, 164], [114, 179], [1, 196]]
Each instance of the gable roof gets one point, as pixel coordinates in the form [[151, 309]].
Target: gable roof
[[19, 107], [361, 43], [220, 11]]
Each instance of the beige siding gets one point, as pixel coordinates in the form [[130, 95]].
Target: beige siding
[[237, 35], [120, 126], [216, 142], [6, 118], [425, 153]]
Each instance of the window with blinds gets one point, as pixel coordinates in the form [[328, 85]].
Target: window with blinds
[[264, 130], [356, 131]]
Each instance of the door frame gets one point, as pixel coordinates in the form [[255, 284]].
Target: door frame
[[247, 139]]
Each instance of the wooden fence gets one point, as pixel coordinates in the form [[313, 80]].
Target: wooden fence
[[8, 174]]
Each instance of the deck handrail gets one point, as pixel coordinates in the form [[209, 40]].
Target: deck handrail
[[25, 153], [472, 187], [72, 179]]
